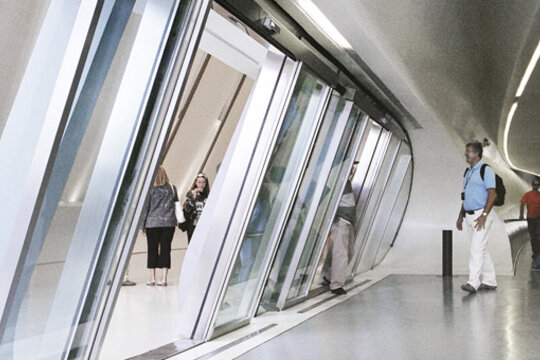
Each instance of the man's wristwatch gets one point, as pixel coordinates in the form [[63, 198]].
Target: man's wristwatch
[[485, 213]]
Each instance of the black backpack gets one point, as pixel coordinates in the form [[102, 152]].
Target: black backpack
[[499, 186]]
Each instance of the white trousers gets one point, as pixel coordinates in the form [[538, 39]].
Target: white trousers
[[339, 253], [481, 270]]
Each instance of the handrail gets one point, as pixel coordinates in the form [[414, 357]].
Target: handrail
[[513, 220]]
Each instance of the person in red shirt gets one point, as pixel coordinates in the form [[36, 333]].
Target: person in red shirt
[[532, 200]]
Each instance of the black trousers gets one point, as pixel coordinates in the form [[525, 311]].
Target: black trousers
[[190, 229], [534, 232], [159, 247]]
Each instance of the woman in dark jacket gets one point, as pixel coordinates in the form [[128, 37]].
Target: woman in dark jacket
[[159, 223], [195, 201]]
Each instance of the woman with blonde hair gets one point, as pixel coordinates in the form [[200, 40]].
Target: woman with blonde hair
[[159, 223], [195, 201]]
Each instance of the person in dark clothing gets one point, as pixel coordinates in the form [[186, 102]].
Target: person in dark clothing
[[531, 199], [194, 203], [159, 223]]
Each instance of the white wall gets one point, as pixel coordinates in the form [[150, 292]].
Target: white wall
[[434, 205]]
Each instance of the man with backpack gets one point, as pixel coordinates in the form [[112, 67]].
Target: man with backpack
[[479, 194]]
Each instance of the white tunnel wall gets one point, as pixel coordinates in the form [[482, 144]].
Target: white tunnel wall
[[434, 205]]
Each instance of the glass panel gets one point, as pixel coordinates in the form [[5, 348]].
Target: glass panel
[[23, 18], [308, 260], [76, 234], [367, 167], [384, 210], [370, 157], [273, 200], [309, 188], [369, 218], [395, 217], [368, 135]]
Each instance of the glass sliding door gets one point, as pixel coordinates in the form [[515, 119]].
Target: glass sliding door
[[384, 209], [271, 208], [396, 216], [213, 249], [369, 156], [303, 209], [71, 268], [363, 229], [307, 270]]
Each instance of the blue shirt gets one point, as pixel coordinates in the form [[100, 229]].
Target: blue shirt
[[475, 188]]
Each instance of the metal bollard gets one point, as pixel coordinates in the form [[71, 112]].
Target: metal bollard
[[447, 253]]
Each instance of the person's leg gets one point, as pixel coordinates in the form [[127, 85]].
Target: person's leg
[[340, 256], [488, 270], [326, 272], [152, 240], [477, 251], [534, 233], [165, 240]]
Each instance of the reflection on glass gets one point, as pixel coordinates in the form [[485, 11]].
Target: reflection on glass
[[395, 217], [370, 156], [363, 178], [278, 182], [304, 198], [382, 216], [43, 299], [317, 233], [364, 246]]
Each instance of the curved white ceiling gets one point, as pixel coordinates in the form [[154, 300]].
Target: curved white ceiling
[[459, 62]]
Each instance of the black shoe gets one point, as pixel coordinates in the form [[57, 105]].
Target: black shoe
[[339, 291], [468, 287], [325, 280], [535, 267], [487, 287]]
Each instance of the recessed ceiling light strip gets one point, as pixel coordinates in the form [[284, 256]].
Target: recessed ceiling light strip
[[519, 92]]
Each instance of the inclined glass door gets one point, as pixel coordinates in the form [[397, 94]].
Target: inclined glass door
[[384, 209], [70, 267], [271, 208], [302, 212], [306, 271], [398, 210], [365, 226], [214, 245]]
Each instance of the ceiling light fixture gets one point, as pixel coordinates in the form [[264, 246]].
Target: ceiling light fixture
[[507, 130], [528, 72], [322, 22], [519, 92]]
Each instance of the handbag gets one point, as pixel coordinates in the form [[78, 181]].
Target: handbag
[[178, 208]]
